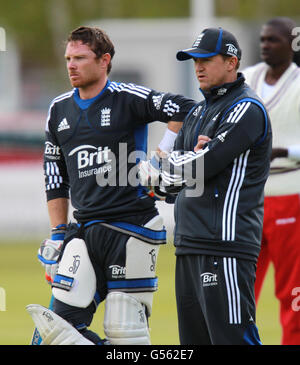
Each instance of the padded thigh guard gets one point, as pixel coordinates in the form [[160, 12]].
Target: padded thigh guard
[[125, 321], [140, 266], [141, 256], [75, 282], [141, 260]]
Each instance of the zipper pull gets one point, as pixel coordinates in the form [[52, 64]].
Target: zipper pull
[[216, 193]]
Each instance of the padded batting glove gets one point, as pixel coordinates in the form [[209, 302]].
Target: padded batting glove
[[49, 251], [149, 176], [148, 171]]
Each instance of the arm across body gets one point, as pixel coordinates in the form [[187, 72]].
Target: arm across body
[[211, 156]]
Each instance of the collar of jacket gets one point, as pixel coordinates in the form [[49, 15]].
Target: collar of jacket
[[218, 91]]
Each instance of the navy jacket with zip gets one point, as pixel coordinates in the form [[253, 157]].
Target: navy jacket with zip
[[226, 218]]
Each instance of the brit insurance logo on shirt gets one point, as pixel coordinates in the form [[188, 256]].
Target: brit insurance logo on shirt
[[92, 160]]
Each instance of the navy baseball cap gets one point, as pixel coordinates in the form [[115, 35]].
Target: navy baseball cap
[[211, 42]]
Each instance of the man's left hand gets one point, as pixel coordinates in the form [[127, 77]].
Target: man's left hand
[[202, 140]]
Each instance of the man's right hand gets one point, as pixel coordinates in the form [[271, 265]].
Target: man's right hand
[[50, 249], [148, 171], [48, 255]]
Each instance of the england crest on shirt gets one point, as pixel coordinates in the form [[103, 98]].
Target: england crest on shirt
[[105, 117]]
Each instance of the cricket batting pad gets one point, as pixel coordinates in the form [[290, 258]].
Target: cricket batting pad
[[53, 329]]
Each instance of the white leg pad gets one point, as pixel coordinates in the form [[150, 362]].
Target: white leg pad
[[141, 261], [53, 329], [125, 321], [76, 264]]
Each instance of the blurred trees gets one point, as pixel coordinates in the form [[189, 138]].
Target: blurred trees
[[257, 9], [39, 26]]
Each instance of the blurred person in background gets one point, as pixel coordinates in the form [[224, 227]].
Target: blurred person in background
[[277, 81], [95, 135]]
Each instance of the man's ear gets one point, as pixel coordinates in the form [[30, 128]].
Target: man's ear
[[232, 63], [105, 60]]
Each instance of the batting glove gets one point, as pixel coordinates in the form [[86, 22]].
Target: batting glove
[[49, 252], [148, 171], [156, 193]]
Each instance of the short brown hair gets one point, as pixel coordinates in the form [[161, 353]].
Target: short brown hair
[[96, 38]]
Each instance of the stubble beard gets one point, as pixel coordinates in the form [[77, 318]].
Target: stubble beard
[[83, 84]]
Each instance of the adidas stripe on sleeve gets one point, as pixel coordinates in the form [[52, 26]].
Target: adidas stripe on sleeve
[[55, 172], [150, 105], [235, 135]]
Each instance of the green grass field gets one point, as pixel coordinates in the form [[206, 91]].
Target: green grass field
[[21, 276]]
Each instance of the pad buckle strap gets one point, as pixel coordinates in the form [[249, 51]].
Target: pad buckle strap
[[133, 285], [63, 282]]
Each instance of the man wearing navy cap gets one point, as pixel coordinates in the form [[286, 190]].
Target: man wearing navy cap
[[218, 231], [212, 42]]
